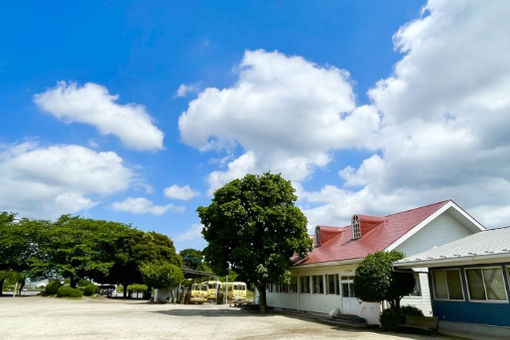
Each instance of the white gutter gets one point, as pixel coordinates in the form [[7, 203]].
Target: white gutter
[[474, 259], [327, 264]]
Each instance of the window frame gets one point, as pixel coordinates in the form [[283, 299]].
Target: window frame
[[481, 268], [447, 288], [336, 284], [417, 284], [349, 281], [308, 285], [321, 285]]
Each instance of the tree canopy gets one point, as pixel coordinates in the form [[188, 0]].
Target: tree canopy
[[376, 281], [77, 248], [253, 227]]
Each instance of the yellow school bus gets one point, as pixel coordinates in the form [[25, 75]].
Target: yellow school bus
[[213, 288], [199, 292], [236, 290]]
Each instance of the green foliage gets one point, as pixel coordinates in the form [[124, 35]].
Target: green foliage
[[91, 289], [52, 287], [393, 317], [69, 292], [75, 248], [83, 283], [161, 275], [137, 288], [253, 226], [376, 281], [191, 258]]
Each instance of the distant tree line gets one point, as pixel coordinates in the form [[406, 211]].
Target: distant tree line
[[74, 248]]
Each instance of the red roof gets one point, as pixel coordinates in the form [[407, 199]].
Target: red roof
[[377, 233]]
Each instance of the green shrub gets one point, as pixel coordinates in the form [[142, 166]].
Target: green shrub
[[68, 292], [83, 283], [137, 288], [90, 289], [52, 288], [391, 318]]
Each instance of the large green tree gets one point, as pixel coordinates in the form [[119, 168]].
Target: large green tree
[[19, 246], [376, 281], [253, 227]]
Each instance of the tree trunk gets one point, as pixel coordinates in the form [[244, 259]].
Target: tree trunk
[[262, 298], [1, 286], [124, 290], [21, 286], [73, 283]]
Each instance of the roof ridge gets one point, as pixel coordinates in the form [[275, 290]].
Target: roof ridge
[[424, 206]]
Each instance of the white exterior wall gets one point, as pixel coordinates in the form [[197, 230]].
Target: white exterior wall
[[325, 303], [443, 229], [422, 302]]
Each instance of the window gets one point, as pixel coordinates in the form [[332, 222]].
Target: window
[[447, 285], [417, 288], [318, 284], [486, 284], [332, 284], [347, 286], [305, 284], [355, 227]]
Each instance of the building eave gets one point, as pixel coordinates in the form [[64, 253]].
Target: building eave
[[454, 261]]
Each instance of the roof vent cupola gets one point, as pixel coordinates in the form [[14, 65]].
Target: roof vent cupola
[[355, 227], [317, 236]]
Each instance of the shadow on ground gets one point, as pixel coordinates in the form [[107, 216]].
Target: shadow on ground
[[209, 312]]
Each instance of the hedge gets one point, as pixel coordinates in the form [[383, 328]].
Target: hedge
[[393, 317], [90, 289], [68, 292], [52, 288]]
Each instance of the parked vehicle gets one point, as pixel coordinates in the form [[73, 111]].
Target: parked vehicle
[[199, 292]]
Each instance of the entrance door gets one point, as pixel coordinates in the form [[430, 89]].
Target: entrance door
[[349, 302]]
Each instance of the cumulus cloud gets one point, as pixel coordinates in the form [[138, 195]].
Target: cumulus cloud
[[141, 205], [185, 89], [93, 104], [445, 116], [183, 193], [287, 114], [194, 233], [49, 181]]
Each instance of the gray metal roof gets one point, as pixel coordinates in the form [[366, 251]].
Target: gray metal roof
[[479, 247]]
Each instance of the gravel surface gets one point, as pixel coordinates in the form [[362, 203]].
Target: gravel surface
[[87, 318]]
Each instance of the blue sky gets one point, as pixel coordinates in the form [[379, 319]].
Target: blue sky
[[402, 93]]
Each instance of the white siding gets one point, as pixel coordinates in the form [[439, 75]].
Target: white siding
[[422, 302], [441, 230]]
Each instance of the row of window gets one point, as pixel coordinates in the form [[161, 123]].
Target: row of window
[[483, 284], [333, 284]]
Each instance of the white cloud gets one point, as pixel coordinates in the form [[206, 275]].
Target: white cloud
[[141, 205], [93, 104], [445, 116], [183, 193], [185, 89], [286, 112], [195, 232], [49, 181]]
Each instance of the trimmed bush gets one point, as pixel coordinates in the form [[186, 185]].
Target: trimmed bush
[[52, 288], [137, 288], [68, 292], [393, 317], [90, 289]]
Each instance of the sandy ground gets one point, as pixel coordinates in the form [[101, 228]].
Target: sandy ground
[[51, 318]]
